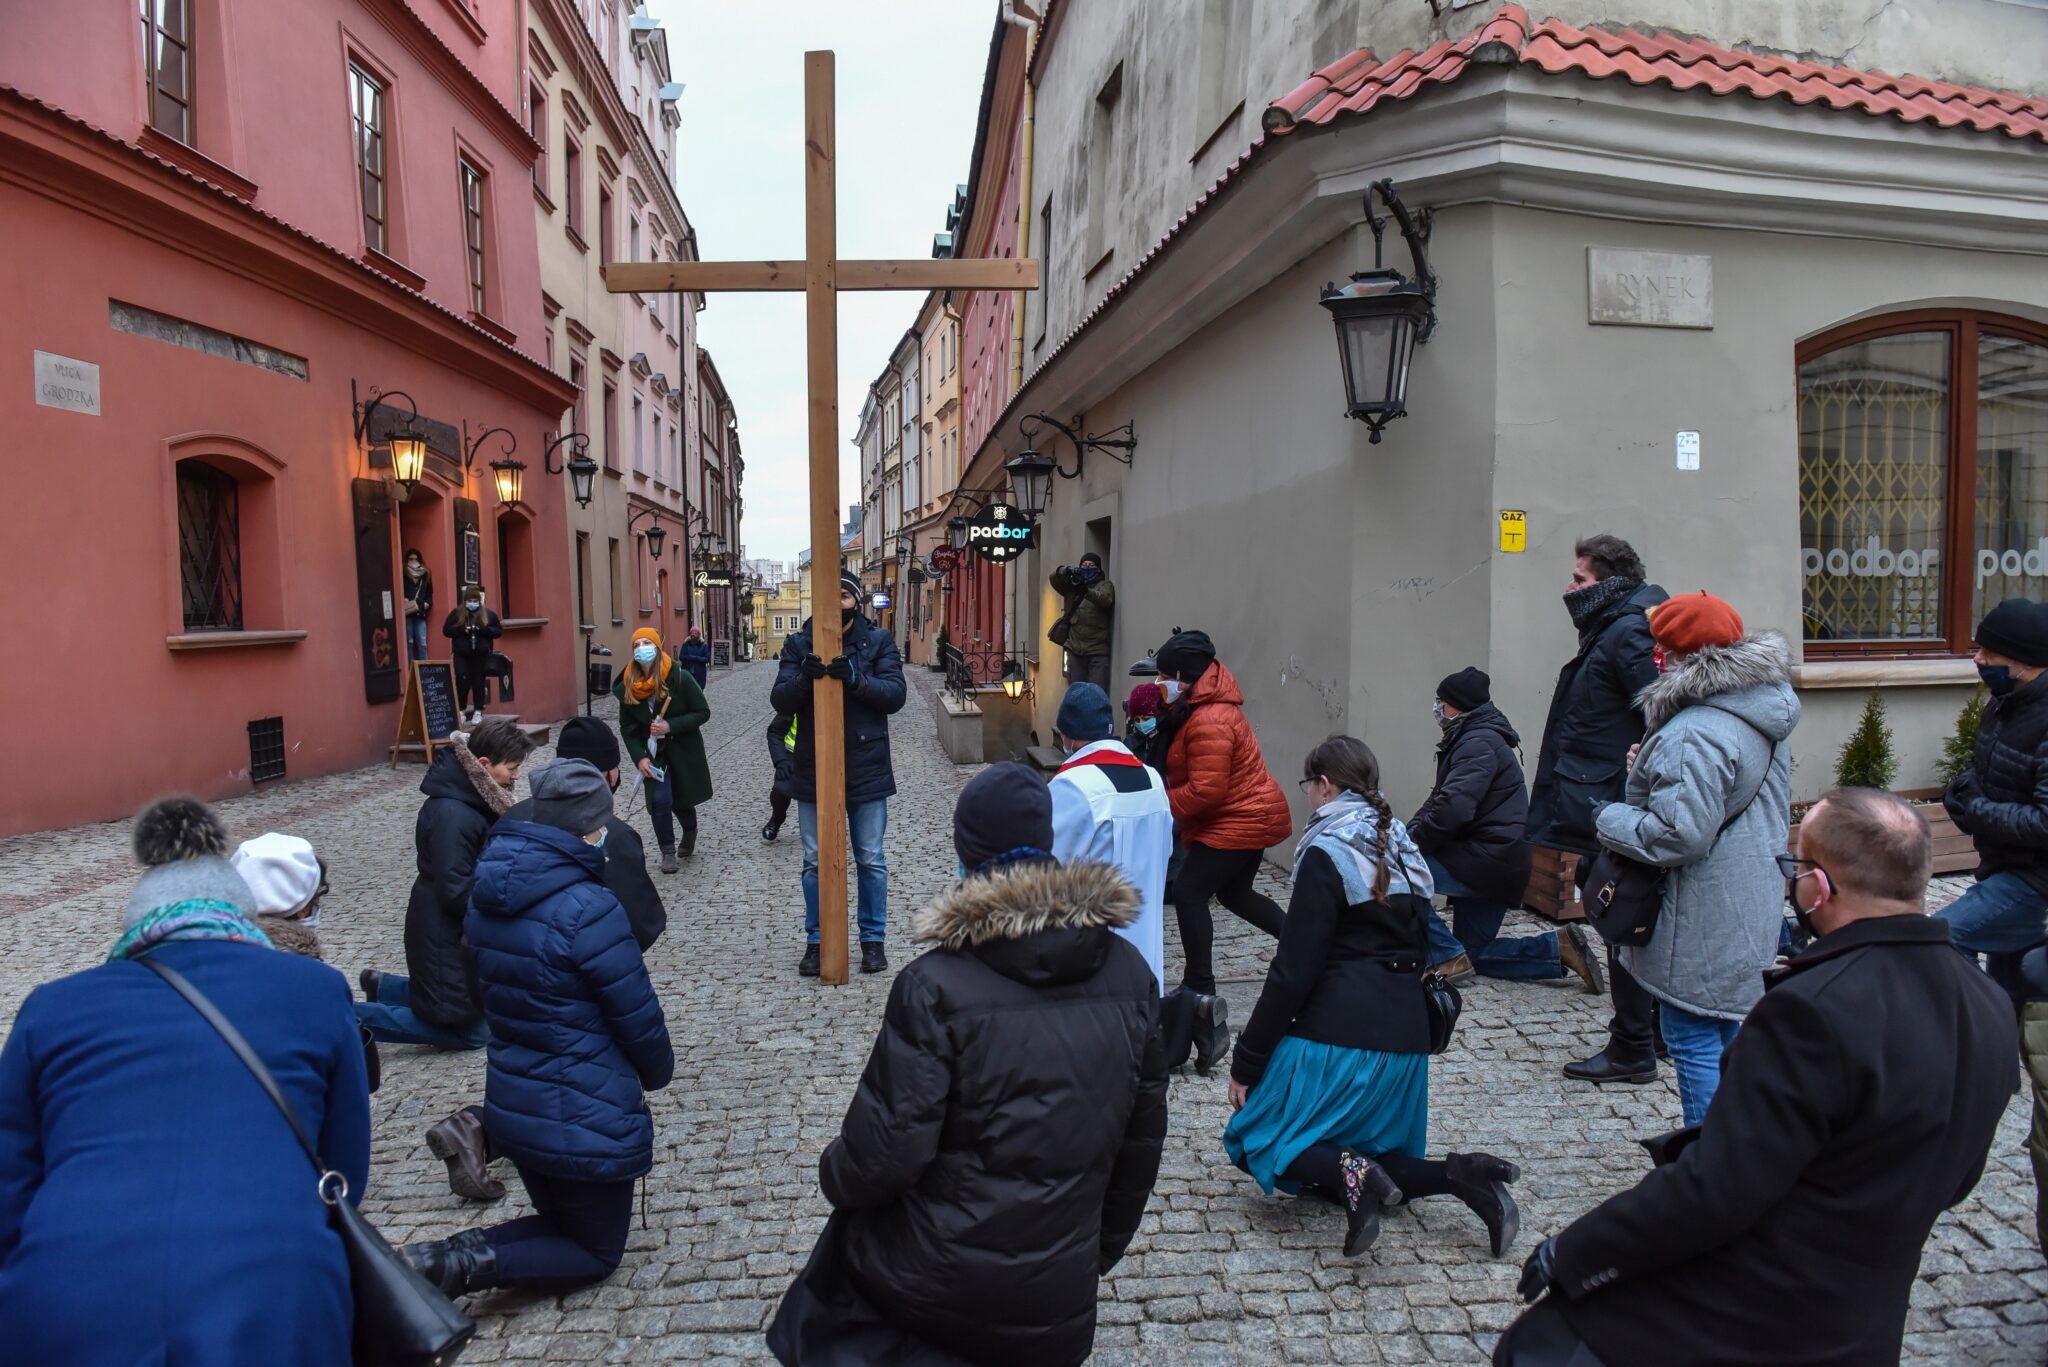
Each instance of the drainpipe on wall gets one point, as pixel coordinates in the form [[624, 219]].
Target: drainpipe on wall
[[1020, 16]]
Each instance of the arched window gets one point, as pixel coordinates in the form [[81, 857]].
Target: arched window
[[1923, 479], [209, 547]]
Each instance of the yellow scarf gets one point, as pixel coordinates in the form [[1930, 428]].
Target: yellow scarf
[[640, 685]]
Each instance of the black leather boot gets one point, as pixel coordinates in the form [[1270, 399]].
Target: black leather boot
[[1480, 1181], [1212, 1031], [1367, 1189], [1604, 1067], [367, 979], [807, 967], [690, 843], [872, 957], [772, 829], [459, 1266]]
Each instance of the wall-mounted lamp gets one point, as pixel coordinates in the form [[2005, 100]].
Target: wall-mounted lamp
[[956, 533], [507, 473], [408, 446], [1031, 472], [657, 535], [1016, 683], [1380, 315], [510, 477], [582, 469]]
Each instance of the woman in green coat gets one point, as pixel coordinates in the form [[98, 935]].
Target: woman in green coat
[[661, 715]]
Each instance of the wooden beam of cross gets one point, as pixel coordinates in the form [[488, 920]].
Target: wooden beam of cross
[[821, 275]]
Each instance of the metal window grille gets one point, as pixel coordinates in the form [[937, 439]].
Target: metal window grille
[[266, 749], [209, 548], [167, 65]]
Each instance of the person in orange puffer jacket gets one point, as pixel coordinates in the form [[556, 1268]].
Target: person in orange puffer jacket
[[1228, 810]]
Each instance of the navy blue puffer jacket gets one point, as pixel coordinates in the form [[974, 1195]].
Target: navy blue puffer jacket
[[576, 1031]]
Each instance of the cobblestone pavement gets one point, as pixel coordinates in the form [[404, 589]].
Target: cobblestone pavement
[[766, 1062]]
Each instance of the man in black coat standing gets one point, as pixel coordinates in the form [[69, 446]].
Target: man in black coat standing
[[872, 673], [1471, 829], [1859, 1101], [2002, 798], [1594, 723], [1003, 1141]]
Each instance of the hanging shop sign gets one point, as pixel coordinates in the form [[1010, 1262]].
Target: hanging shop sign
[[943, 559], [706, 579], [1000, 532]]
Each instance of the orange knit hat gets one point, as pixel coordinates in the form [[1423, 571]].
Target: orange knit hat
[[1695, 621]]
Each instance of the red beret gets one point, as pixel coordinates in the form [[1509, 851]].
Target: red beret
[[1695, 621]]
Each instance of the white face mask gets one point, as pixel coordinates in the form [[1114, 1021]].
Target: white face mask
[[311, 917], [1172, 688], [644, 655]]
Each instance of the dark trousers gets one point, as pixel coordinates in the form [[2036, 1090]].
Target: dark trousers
[[1319, 1166], [1226, 876], [1632, 1034], [666, 811], [1542, 1337], [778, 802], [575, 1236], [472, 684]]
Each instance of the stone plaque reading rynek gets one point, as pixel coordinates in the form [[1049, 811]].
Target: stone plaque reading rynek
[[1649, 289]]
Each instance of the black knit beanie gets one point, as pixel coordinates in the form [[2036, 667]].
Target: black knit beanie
[[1185, 655], [1005, 809], [1466, 689], [2017, 630]]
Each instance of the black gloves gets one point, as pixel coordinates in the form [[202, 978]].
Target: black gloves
[[1537, 1276], [812, 667], [841, 669]]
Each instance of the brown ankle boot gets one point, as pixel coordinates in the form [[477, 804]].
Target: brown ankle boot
[[460, 1142]]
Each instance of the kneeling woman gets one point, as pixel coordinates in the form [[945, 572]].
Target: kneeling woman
[[1330, 1079]]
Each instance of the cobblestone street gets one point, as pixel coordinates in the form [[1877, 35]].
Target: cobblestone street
[[766, 1062]]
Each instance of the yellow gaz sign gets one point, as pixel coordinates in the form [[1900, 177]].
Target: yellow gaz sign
[[1514, 530]]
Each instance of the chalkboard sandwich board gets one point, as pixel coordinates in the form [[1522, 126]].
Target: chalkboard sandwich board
[[428, 714]]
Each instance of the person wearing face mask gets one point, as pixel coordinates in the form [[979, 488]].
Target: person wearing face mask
[[461, 1140], [1109, 807], [419, 602], [1708, 798], [1091, 602], [695, 655], [1229, 811], [1470, 828], [2002, 798], [870, 673], [1141, 724], [577, 1040], [471, 630], [662, 714], [1859, 1102], [1583, 761]]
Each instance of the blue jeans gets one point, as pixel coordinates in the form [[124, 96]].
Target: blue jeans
[[865, 823], [392, 1021], [1475, 930], [416, 638], [2000, 918], [1696, 1043]]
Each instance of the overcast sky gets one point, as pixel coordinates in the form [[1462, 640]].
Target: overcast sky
[[909, 76]]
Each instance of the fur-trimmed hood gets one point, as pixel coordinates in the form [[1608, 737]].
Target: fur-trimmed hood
[[1751, 679], [1023, 899]]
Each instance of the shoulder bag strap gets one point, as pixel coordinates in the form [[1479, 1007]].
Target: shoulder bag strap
[[1770, 758], [225, 1028]]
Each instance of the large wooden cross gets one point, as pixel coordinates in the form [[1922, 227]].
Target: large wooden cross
[[821, 275]]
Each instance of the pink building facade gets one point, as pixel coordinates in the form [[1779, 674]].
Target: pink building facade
[[229, 227]]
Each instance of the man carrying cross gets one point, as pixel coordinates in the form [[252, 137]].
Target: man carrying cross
[[870, 673], [821, 275]]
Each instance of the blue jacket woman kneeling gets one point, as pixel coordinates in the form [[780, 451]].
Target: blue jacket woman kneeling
[[577, 1038], [154, 1206]]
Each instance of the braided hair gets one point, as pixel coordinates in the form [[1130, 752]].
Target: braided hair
[[1350, 763]]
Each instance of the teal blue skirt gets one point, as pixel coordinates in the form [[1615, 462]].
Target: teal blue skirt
[[1365, 1100]]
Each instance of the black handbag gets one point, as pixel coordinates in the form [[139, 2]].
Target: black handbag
[[1624, 896], [1058, 632], [402, 1319], [1444, 1005]]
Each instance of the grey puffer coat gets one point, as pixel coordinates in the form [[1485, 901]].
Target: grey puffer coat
[[1717, 722]]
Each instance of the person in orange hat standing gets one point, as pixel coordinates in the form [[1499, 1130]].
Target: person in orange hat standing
[[1709, 798], [661, 716]]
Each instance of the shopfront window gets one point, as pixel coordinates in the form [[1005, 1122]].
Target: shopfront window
[[1917, 436]]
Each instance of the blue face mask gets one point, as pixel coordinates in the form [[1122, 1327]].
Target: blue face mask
[[1145, 726], [1997, 678], [644, 655]]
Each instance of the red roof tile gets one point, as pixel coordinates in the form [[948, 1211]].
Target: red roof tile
[[1356, 83]]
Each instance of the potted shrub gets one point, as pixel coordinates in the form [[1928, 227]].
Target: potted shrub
[[1868, 760]]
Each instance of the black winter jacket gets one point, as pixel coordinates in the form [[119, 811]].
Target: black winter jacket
[[2002, 799], [781, 753], [876, 690], [471, 638], [1474, 820], [448, 836], [1003, 1141], [1593, 721], [1343, 974], [625, 876], [1858, 1103]]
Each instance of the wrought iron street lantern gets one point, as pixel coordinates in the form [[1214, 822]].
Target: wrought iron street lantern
[[582, 470], [1030, 480], [1015, 681], [956, 533], [1380, 315], [408, 444], [657, 540], [510, 477]]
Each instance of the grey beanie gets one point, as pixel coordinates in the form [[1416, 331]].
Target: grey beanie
[[571, 795], [185, 847]]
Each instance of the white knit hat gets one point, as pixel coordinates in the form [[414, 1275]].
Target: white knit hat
[[280, 870]]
